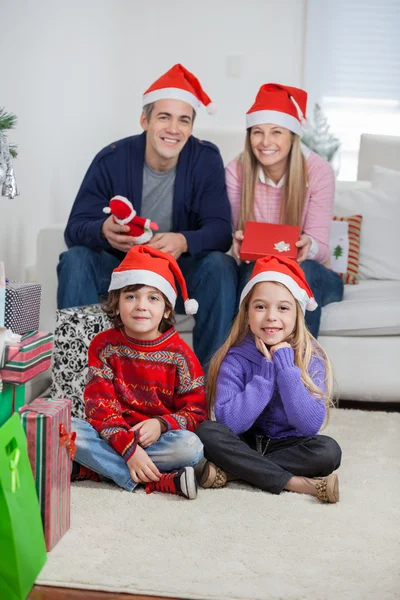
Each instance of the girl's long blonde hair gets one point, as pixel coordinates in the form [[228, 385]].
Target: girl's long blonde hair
[[294, 189], [305, 347]]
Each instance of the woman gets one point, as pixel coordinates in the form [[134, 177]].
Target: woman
[[279, 180]]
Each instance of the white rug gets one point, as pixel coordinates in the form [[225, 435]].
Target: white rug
[[241, 543]]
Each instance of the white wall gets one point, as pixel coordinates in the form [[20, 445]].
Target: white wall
[[75, 73]]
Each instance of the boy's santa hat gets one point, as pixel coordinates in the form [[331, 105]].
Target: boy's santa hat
[[286, 271], [281, 105], [145, 265], [179, 84], [121, 208]]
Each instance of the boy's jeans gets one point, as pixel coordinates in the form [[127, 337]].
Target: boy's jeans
[[175, 449]]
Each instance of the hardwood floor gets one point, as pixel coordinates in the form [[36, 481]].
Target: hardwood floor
[[43, 592]]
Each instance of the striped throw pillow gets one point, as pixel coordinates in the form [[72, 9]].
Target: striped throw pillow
[[350, 246]]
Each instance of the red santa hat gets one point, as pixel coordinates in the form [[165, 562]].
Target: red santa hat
[[286, 271], [179, 84], [121, 208], [148, 266], [281, 105]]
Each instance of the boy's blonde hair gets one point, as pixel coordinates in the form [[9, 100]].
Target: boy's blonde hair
[[111, 304], [294, 189], [305, 347]]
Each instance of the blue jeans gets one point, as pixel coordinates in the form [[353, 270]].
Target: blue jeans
[[326, 285], [84, 275], [174, 450]]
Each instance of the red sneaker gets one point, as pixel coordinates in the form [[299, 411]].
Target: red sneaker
[[81, 473], [181, 483]]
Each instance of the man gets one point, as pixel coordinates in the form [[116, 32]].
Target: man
[[171, 178]]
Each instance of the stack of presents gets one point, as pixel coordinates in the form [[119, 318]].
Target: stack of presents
[[36, 445]]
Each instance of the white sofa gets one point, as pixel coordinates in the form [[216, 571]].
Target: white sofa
[[360, 334]]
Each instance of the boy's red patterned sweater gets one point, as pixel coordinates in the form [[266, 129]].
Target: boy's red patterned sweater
[[130, 381]]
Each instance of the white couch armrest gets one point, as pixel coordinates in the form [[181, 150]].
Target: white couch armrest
[[50, 244]]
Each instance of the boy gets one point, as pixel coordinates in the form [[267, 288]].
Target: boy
[[145, 391]]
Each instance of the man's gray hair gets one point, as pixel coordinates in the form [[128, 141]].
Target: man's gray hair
[[148, 109]]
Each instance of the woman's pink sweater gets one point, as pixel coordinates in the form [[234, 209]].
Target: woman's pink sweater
[[318, 205]]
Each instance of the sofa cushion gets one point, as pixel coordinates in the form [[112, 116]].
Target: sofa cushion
[[371, 308]]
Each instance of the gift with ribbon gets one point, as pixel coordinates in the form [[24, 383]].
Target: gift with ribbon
[[27, 358], [51, 449], [22, 546], [12, 398]]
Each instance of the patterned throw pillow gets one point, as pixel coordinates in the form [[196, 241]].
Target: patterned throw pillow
[[345, 247]]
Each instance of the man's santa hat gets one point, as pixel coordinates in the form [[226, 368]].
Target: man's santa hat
[[145, 265], [121, 208], [179, 84], [280, 105], [286, 271]]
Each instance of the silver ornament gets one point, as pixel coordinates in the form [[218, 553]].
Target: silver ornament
[[10, 187]]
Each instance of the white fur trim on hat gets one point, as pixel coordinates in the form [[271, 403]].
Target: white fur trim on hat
[[173, 94], [144, 237], [121, 279], [191, 306], [298, 292], [274, 117]]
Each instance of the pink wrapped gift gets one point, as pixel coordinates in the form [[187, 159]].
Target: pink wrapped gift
[[28, 358], [51, 446]]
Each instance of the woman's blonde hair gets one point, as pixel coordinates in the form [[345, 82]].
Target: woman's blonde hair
[[305, 347], [294, 189]]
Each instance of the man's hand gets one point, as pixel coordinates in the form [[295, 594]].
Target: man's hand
[[173, 243], [263, 348], [304, 244], [149, 431], [278, 346], [142, 468], [116, 235]]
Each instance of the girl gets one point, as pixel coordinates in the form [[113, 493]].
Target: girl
[[270, 386], [145, 390], [278, 180]]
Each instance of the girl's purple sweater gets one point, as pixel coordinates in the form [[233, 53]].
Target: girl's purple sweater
[[267, 397]]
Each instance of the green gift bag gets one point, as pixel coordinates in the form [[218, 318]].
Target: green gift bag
[[22, 547]]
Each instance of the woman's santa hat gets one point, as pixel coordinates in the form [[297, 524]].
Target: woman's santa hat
[[121, 208], [179, 84], [285, 271], [281, 105], [145, 265]]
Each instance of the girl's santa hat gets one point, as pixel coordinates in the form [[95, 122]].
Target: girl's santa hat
[[286, 271], [281, 105], [179, 84], [121, 208], [148, 266]]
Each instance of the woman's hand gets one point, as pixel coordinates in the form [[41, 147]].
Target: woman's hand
[[237, 243], [263, 348], [273, 349], [303, 244]]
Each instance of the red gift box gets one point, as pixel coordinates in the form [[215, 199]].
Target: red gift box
[[261, 239], [28, 358], [51, 446]]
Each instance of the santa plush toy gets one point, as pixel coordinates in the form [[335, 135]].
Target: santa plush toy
[[124, 214]]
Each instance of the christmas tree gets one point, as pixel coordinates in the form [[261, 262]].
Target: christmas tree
[[8, 184], [338, 252], [318, 137], [7, 121]]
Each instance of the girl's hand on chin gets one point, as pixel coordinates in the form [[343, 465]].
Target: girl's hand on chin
[[263, 348], [278, 346]]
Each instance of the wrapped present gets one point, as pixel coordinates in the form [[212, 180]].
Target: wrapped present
[[12, 397], [51, 449], [28, 358], [75, 328], [2, 293], [22, 307]]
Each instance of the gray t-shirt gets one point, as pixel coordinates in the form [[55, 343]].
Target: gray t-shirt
[[157, 197]]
